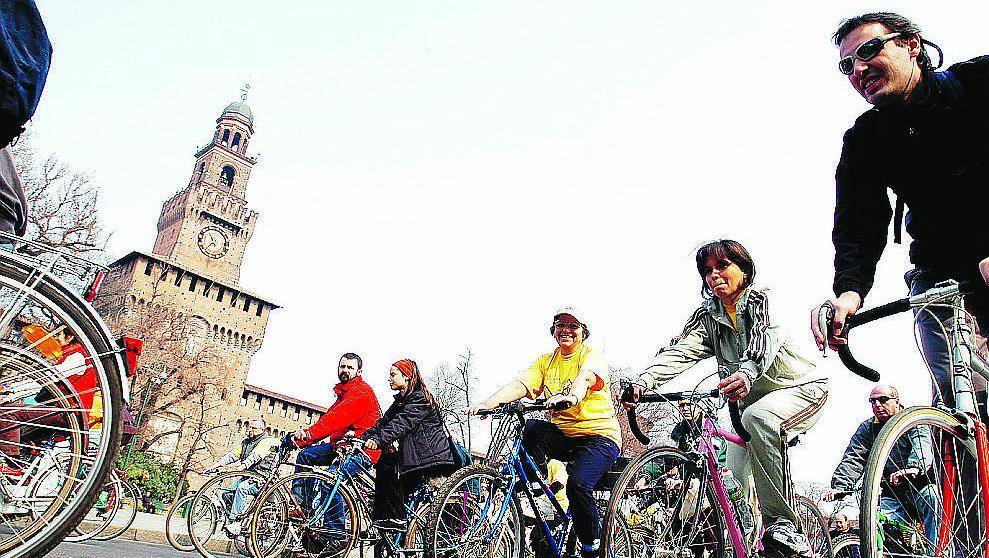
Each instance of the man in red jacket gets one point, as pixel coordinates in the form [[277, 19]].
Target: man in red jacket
[[355, 410]]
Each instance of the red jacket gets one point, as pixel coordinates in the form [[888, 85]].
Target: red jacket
[[84, 381], [356, 408]]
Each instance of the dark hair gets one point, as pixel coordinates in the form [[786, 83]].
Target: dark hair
[[353, 356], [896, 24], [724, 251], [416, 382]]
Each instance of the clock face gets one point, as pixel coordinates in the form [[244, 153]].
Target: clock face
[[213, 242]]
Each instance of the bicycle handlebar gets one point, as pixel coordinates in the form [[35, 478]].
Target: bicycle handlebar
[[513, 407], [633, 420], [934, 294]]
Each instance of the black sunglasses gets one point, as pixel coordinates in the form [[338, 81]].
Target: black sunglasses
[[865, 52], [883, 399]]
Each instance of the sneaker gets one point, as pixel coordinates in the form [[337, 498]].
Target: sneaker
[[782, 539], [232, 529]]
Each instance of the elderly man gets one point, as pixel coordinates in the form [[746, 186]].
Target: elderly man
[[907, 495], [927, 139]]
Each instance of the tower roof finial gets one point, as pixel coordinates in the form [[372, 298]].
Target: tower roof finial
[[244, 90]]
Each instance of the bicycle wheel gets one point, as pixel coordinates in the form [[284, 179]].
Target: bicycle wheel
[[846, 545], [414, 540], [474, 516], [130, 498], [940, 499], [99, 517], [665, 505], [212, 510], [41, 403], [814, 527], [308, 514], [177, 526]]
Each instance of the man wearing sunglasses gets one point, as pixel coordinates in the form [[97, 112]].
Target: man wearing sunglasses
[[906, 494], [927, 139]]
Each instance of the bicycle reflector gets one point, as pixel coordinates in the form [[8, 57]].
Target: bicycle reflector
[[132, 350], [94, 287]]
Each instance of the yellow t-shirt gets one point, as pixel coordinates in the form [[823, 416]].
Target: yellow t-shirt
[[555, 373], [733, 314], [96, 413]]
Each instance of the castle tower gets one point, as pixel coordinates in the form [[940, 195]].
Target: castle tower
[[206, 226]]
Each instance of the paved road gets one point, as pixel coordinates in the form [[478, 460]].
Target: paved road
[[118, 549]]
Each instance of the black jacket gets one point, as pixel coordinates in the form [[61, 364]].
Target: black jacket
[[934, 155], [913, 450], [418, 428]]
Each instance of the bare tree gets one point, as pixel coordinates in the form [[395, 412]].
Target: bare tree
[[63, 204], [453, 390]]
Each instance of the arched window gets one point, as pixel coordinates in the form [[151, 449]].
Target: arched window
[[236, 141], [227, 178], [226, 136]]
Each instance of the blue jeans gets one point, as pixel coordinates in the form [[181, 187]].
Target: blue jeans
[[926, 508], [590, 457], [935, 347], [243, 489], [309, 494]]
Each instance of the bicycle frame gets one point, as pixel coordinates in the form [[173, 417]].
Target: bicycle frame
[[709, 431]]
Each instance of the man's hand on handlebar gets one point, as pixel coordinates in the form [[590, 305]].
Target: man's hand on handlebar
[[631, 395], [903, 474], [843, 306], [485, 406], [834, 494]]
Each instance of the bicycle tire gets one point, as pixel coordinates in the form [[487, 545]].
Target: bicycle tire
[[62, 302], [273, 518], [174, 529], [130, 499], [713, 533], [464, 492], [950, 444], [114, 490], [841, 546], [814, 527], [216, 519]]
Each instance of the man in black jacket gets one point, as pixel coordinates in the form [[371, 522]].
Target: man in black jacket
[[927, 139]]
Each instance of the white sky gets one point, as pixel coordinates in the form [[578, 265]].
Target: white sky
[[436, 175]]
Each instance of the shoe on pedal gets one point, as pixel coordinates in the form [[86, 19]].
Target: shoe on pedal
[[10, 471], [783, 540], [232, 529]]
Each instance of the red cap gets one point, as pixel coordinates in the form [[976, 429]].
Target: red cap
[[408, 367]]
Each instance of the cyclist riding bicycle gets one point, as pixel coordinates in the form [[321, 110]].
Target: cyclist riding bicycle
[[927, 139], [905, 474], [414, 423], [778, 391], [584, 433], [355, 410], [257, 453]]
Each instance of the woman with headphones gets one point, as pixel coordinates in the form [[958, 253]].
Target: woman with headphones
[[583, 432]]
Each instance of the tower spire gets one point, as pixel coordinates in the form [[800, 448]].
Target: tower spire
[[244, 90]]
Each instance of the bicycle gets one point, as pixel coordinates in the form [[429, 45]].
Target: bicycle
[[336, 517], [114, 512], [177, 524], [210, 510], [477, 511], [895, 538], [678, 504], [39, 292], [944, 485]]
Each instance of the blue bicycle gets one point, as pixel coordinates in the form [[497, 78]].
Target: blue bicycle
[[477, 512]]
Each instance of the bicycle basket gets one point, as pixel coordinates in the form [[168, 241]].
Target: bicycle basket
[[505, 428], [78, 272]]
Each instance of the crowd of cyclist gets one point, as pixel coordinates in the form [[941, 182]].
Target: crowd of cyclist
[[926, 138]]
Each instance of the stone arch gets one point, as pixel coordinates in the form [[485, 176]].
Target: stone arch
[[226, 136], [227, 178], [236, 142]]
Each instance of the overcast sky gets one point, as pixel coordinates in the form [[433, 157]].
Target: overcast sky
[[438, 175]]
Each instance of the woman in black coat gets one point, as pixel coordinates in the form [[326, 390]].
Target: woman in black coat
[[413, 421]]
